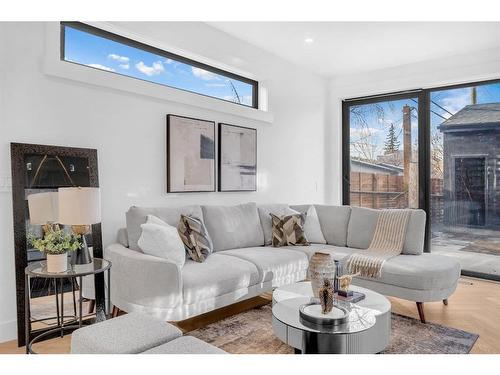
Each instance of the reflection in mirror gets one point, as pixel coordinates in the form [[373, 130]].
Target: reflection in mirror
[[45, 174]]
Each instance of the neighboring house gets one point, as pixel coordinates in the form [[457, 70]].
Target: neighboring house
[[471, 163], [393, 158], [379, 168]]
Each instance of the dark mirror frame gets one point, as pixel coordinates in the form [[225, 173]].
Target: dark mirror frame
[[18, 153]]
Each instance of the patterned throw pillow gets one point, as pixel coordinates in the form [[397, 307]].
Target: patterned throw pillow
[[195, 237], [288, 230]]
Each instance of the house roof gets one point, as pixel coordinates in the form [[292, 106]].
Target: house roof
[[474, 117], [382, 167]]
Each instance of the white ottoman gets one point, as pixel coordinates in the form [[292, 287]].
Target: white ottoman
[[127, 334]]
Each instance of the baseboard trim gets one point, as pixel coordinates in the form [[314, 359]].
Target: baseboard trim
[[8, 331]]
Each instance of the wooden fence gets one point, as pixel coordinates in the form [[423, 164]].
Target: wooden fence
[[374, 190]]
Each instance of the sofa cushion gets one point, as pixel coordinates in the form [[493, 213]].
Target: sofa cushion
[[217, 275], [185, 345], [312, 226], [136, 216], [122, 237], [278, 209], [233, 227], [364, 220], [334, 221], [338, 252], [423, 272], [277, 264]]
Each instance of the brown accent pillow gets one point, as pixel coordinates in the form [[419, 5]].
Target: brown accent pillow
[[195, 237], [288, 230]]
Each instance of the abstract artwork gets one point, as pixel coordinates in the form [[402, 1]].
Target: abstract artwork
[[190, 155], [237, 158]]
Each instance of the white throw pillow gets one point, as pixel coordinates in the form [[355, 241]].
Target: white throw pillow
[[152, 219], [162, 241], [312, 227]]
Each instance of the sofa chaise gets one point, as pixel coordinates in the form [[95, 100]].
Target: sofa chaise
[[242, 267]]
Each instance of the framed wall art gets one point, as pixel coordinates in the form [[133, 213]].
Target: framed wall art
[[190, 155], [237, 158]]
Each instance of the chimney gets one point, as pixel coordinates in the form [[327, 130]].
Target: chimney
[[410, 173]]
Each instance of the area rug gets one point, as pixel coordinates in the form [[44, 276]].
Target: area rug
[[251, 332]]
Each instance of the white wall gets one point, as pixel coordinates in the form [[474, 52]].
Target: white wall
[[476, 66], [129, 130]]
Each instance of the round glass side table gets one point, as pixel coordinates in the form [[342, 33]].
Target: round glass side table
[[39, 269]]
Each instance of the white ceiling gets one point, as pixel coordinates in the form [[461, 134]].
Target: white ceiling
[[352, 47]]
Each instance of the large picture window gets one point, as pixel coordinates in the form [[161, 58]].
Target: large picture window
[[86, 45], [436, 149]]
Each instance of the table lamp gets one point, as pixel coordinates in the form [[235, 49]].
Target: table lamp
[[44, 209], [80, 207]]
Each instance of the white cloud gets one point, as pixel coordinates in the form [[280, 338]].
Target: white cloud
[[102, 67], [247, 99], [454, 103], [124, 66], [152, 70], [215, 84], [120, 59], [363, 132], [168, 61], [204, 74]]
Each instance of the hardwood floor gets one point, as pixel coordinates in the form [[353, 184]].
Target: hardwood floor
[[474, 307]]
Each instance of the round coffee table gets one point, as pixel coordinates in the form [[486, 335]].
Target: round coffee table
[[367, 330]]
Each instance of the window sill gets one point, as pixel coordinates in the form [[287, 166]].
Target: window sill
[[53, 66]]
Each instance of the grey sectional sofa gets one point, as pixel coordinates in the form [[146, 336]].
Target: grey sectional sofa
[[242, 266]]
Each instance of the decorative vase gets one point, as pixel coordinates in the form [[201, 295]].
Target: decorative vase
[[321, 267], [338, 274], [57, 263], [326, 296]]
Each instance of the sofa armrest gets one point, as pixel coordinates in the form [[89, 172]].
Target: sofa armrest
[[143, 282]]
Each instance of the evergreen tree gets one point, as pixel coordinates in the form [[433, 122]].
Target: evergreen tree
[[391, 143]]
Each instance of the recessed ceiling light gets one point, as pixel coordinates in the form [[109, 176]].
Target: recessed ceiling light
[[309, 40]]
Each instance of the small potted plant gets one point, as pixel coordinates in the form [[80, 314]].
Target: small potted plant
[[55, 244]]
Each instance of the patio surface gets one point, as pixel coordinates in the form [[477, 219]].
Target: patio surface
[[484, 243]]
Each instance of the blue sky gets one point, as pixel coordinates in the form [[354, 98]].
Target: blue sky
[[101, 53], [369, 131]]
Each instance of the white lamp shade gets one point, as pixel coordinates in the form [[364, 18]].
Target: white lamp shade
[[79, 206], [43, 208]]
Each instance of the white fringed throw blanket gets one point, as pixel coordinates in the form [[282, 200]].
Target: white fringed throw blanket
[[387, 242]]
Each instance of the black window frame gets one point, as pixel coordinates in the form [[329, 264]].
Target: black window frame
[[424, 135], [169, 55]]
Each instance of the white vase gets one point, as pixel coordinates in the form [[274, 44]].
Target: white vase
[[57, 263]]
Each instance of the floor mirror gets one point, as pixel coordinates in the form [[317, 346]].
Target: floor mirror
[[37, 169]]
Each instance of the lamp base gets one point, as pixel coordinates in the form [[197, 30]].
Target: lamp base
[[81, 255]]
